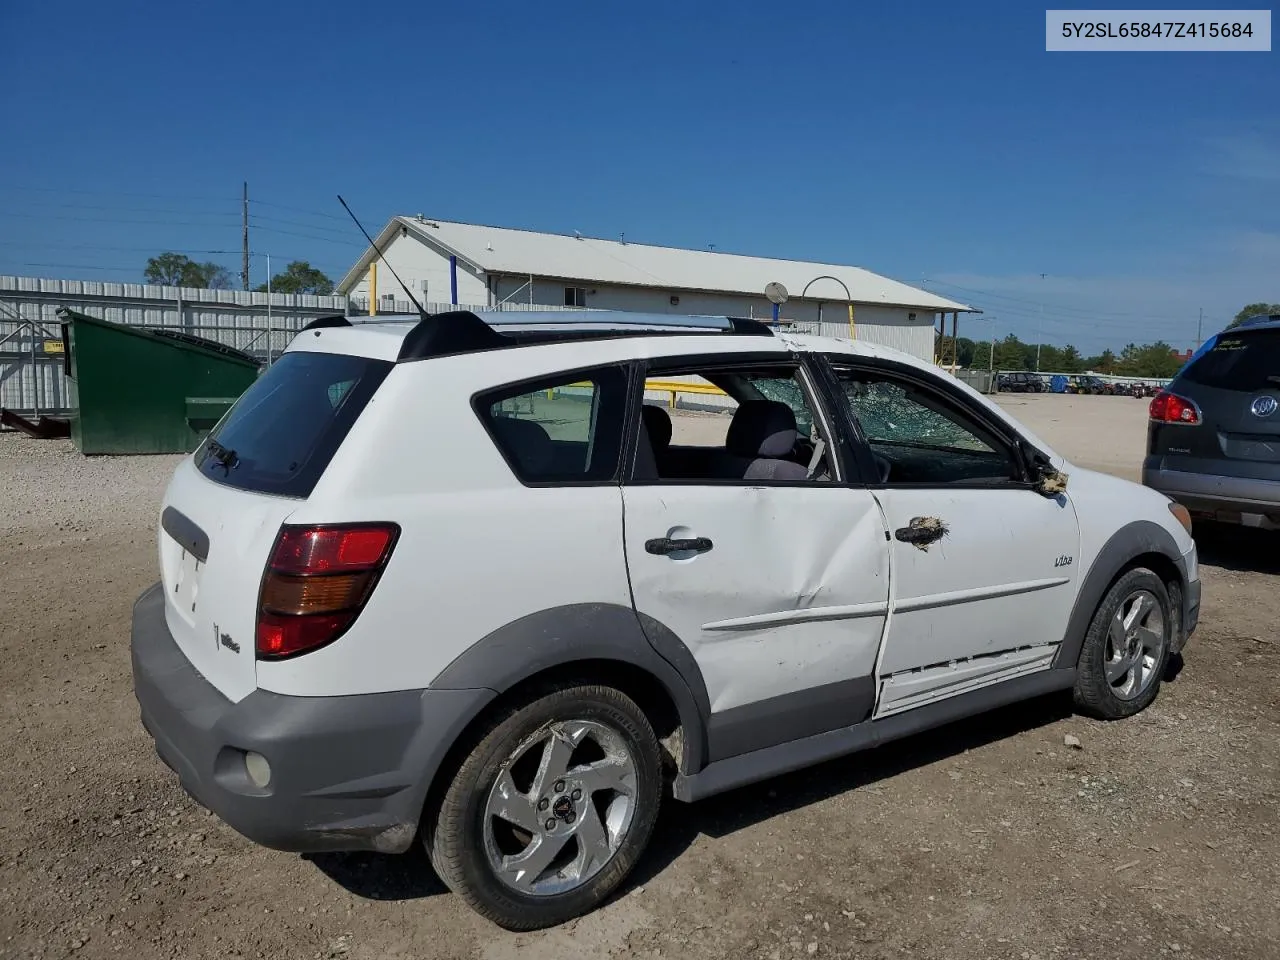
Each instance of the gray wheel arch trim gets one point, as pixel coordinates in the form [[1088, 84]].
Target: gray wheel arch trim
[[1130, 541], [560, 636]]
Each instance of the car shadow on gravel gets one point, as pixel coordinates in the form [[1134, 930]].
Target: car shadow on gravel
[[1233, 547], [409, 876], [380, 876], [719, 816]]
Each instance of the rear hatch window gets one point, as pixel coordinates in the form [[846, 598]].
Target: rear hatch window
[[283, 431], [1247, 361]]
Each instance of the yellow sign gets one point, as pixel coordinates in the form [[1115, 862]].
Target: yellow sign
[[53, 346]]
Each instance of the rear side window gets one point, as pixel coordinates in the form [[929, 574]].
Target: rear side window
[[1239, 361], [566, 429], [284, 430]]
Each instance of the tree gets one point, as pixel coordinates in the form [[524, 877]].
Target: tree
[[178, 270], [1253, 310], [1072, 362], [1156, 360], [982, 355], [1011, 354], [1057, 359], [300, 277], [1104, 362], [215, 277]]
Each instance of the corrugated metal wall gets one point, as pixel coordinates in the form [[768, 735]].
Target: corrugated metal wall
[[915, 339], [31, 382]]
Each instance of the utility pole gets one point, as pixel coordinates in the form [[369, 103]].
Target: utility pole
[[244, 219], [268, 309], [1040, 332], [991, 357], [1199, 327]]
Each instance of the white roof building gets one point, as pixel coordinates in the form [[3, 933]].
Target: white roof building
[[479, 266]]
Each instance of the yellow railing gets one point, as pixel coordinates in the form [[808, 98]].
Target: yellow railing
[[671, 387]]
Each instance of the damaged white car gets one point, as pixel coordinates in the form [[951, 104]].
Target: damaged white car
[[467, 581]]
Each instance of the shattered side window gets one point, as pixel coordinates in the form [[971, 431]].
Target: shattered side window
[[887, 413], [917, 438], [787, 391]]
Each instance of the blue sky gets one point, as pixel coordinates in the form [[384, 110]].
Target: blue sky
[[933, 142]]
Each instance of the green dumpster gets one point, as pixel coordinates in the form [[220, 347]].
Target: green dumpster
[[140, 390]]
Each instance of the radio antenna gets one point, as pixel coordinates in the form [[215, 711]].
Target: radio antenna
[[421, 310]]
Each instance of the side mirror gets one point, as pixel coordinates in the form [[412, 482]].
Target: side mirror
[[1046, 479]]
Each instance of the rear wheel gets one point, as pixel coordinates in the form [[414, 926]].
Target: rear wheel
[[1126, 648], [551, 809]]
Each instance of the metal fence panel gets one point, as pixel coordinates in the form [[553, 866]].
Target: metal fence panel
[[32, 383]]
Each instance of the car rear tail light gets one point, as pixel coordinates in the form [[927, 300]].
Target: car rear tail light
[[317, 581], [1168, 407]]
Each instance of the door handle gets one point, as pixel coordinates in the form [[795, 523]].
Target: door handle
[[661, 546], [921, 532]]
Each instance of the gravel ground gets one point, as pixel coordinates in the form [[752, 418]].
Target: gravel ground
[[994, 838]]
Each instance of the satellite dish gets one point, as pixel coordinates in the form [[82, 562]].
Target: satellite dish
[[776, 292]]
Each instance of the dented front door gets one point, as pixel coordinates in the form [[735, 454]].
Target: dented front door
[[982, 585], [775, 590]]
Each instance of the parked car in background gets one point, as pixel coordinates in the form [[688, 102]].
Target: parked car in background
[[1213, 439], [1021, 383], [1089, 384]]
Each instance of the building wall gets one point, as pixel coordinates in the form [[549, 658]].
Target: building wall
[[426, 270], [887, 326]]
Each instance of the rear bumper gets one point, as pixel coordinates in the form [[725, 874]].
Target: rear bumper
[[347, 773], [1214, 493]]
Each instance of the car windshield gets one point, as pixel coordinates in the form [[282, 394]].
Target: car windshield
[[1245, 361]]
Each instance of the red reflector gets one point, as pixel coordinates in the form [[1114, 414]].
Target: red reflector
[[1170, 408], [303, 550], [283, 636]]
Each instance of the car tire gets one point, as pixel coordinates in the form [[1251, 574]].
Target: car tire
[[525, 772], [1126, 648]]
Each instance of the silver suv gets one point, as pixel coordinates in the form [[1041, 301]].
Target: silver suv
[[1213, 443]]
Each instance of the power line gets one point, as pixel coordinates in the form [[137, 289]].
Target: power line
[[133, 268], [310, 213], [133, 208], [117, 220], [307, 236], [116, 193], [258, 217], [1036, 303], [154, 248]]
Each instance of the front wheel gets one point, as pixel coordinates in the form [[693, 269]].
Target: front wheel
[[1126, 648], [551, 809]]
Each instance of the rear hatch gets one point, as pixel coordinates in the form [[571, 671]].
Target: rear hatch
[[225, 504], [1235, 384]]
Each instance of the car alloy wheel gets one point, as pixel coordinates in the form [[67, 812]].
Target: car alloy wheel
[[1135, 645], [550, 827]]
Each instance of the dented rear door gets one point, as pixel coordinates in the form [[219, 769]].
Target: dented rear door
[[781, 596]]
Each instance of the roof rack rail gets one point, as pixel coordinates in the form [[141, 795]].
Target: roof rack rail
[[462, 331], [747, 327], [318, 323]]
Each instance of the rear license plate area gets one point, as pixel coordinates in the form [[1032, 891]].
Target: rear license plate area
[[186, 586]]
